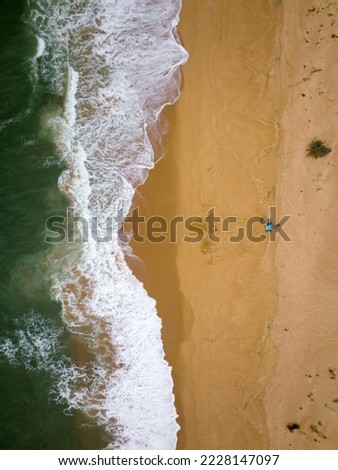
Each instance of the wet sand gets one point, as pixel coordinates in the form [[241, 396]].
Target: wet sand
[[244, 322]]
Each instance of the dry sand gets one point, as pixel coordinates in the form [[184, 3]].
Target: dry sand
[[304, 386], [245, 324]]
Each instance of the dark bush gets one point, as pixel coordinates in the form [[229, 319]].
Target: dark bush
[[318, 149]]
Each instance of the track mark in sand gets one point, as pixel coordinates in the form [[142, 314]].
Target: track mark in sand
[[317, 429], [313, 71], [206, 244], [332, 373], [317, 412], [209, 336], [310, 396]]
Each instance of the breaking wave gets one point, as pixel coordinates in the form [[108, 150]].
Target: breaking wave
[[116, 64]]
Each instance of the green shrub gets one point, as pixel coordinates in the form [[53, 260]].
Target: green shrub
[[318, 149]]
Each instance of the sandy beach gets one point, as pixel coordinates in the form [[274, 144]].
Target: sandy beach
[[249, 327], [303, 388]]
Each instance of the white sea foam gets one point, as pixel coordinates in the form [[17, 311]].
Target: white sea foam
[[41, 45], [118, 62], [34, 344]]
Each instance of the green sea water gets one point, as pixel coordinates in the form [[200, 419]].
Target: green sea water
[[33, 340]]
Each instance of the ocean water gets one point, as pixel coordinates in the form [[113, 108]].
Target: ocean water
[[82, 87]]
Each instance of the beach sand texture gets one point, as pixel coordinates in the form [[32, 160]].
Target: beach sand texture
[[250, 328], [303, 388]]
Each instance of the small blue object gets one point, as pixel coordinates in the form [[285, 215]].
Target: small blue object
[[268, 227]]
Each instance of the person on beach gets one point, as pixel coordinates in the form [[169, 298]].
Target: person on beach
[[268, 224]]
